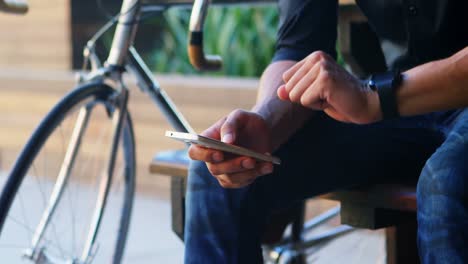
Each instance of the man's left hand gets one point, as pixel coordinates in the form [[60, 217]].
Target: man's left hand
[[319, 83]]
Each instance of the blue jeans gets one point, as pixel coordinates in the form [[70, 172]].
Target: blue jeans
[[225, 225]]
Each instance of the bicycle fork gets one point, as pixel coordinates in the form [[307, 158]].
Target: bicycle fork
[[37, 254]]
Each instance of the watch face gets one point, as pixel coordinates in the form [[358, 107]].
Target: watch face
[[397, 79], [371, 85]]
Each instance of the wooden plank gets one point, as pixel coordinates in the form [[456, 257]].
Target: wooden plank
[[171, 163], [178, 206], [39, 39], [400, 243], [390, 196], [168, 169]]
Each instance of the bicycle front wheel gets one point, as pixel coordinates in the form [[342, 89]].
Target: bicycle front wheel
[[52, 203]]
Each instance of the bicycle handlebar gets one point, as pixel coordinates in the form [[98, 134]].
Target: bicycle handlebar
[[196, 52], [14, 6]]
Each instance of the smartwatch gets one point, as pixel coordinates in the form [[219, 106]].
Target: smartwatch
[[386, 85]]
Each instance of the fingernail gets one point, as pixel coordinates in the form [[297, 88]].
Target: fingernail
[[266, 169], [248, 164], [217, 157], [227, 138]]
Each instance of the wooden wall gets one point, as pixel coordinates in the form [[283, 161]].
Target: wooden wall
[[38, 40], [26, 96]]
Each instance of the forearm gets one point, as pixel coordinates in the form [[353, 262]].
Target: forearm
[[283, 117], [435, 86]]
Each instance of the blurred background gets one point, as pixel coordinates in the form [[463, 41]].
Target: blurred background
[[40, 52]]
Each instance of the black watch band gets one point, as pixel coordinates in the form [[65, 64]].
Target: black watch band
[[386, 84]]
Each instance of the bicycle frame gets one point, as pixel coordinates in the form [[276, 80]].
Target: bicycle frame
[[123, 55]]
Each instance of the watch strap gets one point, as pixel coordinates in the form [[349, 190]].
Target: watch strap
[[386, 85]]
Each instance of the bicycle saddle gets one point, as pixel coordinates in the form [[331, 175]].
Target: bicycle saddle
[[14, 6]]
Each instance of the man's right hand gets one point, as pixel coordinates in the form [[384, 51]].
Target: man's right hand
[[242, 128]]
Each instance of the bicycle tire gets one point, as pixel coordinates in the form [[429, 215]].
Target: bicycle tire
[[87, 94]]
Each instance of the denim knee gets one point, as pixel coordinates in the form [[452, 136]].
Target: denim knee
[[446, 172], [442, 203], [211, 218]]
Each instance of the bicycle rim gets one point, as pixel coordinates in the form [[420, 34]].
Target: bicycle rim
[[36, 175]]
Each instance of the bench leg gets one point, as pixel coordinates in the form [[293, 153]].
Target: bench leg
[[401, 243], [178, 205]]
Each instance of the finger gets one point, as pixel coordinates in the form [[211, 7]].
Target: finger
[[231, 125], [214, 131], [306, 82], [311, 98], [197, 152], [298, 75], [291, 71], [282, 93], [312, 59], [242, 179], [235, 165], [226, 182], [265, 168], [316, 96]]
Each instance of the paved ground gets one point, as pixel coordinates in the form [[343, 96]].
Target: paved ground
[[151, 240]]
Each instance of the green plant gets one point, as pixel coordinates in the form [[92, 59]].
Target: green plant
[[243, 36]]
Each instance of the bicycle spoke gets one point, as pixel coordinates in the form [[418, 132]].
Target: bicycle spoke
[[30, 230], [23, 211], [43, 195], [36, 177]]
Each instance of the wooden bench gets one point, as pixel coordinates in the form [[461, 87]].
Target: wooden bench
[[381, 206]]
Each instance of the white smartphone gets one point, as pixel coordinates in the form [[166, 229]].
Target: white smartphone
[[219, 145]]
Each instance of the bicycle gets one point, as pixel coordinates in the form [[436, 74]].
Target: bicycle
[[65, 229]]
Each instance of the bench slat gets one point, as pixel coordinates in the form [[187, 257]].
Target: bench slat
[[387, 196], [170, 163]]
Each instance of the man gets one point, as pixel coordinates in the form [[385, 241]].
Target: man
[[229, 198]]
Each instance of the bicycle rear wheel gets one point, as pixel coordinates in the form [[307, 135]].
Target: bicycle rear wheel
[[49, 201]]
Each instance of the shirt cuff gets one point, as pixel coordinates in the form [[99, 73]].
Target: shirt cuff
[[289, 54], [295, 54]]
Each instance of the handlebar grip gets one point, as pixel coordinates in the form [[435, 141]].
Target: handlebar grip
[[14, 6], [197, 55]]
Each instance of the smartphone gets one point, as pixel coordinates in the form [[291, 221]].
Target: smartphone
[[218, 145]]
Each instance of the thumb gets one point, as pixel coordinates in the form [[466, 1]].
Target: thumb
[[231, 126]]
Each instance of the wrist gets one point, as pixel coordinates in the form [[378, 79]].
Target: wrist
[[262, 111], [373, 109], [373, 106], [385, 86]]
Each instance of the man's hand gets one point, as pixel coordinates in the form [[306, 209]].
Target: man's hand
[[241, 128], [319, 83]]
